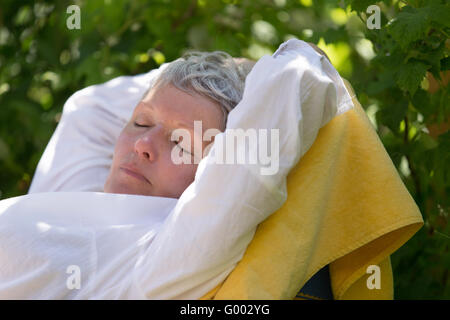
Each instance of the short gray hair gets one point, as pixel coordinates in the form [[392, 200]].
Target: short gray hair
[[215, 75]]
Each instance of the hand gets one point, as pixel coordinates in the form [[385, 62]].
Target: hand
[[320, 51]]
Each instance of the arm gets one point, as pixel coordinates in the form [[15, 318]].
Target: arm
[[207, 233], [79, 153]]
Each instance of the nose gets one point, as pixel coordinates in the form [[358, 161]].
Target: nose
[[149, 143]]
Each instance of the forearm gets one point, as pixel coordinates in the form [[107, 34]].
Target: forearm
[[79, 153]]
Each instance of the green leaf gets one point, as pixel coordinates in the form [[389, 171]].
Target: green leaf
[[421, 102], [411, 75], [409, 26], [433, 58], [427, 141], [439, 14], [24, 16], [445, 64], [393, 113], [361, 5], [335, 35], [383, 82]]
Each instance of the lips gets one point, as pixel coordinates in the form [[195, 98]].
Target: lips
[[132, 171]]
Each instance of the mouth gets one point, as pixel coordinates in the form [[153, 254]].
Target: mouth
[[134, 174]]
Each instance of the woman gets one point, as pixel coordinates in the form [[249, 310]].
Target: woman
[[198, 87], [195, 222], [201, 86]]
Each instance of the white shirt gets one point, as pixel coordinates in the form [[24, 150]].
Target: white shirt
[[141, 247]]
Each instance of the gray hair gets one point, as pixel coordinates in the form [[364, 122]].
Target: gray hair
[[215, 75]]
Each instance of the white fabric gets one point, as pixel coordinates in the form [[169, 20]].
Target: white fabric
[[141, 247]]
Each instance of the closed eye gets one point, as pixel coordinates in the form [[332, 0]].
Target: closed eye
[[140, 125]]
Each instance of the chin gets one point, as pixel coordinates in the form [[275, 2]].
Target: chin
[[120, 188]]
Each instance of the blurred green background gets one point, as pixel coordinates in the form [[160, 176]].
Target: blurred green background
[[399, 72]]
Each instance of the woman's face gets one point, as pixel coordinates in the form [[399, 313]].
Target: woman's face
[[142, 162]]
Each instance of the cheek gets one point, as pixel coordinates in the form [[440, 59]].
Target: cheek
[[123, 146], [181, 176]]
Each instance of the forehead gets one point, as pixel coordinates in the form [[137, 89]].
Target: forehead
[[172, 105]]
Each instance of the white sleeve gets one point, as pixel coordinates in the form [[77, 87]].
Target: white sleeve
[[79, 154], [208, 231]]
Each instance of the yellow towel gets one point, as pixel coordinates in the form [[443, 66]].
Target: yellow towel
[[347, 207]]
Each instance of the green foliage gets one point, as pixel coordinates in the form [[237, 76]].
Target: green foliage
[[411, 94], [397, 71], [410, 76]]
